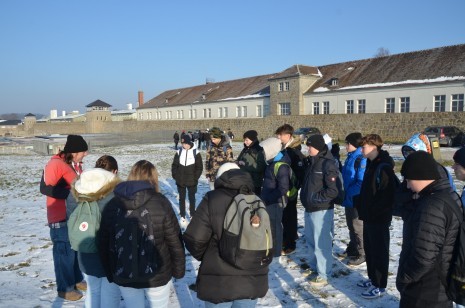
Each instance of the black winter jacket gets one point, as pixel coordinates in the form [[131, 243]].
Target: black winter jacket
[[186, 168], [217, 280], [131, 195], [254, 162], [376, 198], [319, 187], [429, 235]]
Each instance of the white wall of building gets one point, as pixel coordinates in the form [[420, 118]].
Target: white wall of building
[[421, 97], [238, 108]]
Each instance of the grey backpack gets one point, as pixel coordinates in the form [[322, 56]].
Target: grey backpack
[[246, 242]]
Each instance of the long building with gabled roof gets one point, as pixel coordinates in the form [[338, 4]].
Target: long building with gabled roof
[[430, 80]]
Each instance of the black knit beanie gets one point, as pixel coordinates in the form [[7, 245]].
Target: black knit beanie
[[75, 144], [459, 157], [354, 139], [420, 166], [317, 142], [187, 139], [251, 134]]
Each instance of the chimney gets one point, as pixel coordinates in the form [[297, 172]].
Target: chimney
[[129, 106], [63, 113], [141, 98]]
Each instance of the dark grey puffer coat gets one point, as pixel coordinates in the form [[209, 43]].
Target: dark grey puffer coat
[[217, 280], [429, 235]]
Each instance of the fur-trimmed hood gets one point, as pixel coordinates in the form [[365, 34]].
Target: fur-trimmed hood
[[94, 184]]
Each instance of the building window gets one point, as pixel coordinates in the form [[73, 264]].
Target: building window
[[390, 105], [225, 112], [361, 106], [141, 116], [220, 112], [405, 104], [283, 86], [457, 102], [178, 115], [334, 82], [149, 116], [439, 103], [284, 108], [244, 111], [316, 107], [349, 106], [194, 113], [325, 107], [207, 113], [259, 111], [182, 114], [238, 112]]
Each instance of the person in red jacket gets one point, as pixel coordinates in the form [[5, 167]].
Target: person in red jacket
[[59, 173]]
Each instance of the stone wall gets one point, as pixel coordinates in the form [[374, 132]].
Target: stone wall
[[395, 127]]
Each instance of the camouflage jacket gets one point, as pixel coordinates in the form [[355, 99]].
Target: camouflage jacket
[[216, 156]]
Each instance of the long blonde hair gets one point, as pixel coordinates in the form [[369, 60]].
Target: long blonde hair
[[144, 170]]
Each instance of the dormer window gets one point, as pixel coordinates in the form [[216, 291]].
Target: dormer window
[[283, 86], [204, 97], [334, 82]]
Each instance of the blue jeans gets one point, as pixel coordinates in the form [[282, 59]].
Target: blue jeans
[[319, 236], [275, 211], [101, 293], [158, 297], [240, 303], [67, 272]]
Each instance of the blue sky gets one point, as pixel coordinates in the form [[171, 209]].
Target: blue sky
[[66, 54]]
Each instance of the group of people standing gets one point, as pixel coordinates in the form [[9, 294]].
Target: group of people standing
[[274, 169]]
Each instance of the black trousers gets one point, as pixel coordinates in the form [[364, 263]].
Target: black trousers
[[376, 239], [191, 190], [289, 222], [355, 226]]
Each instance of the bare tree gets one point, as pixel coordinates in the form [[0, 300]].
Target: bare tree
[[382, 52]]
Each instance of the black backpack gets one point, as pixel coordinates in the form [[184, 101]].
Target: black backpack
[[340, 188], [135, 254], [246, 244]]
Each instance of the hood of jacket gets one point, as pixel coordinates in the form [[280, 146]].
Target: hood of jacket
[[94, 184], [133, 194], [294, 143], [236, 179], [383, 157]]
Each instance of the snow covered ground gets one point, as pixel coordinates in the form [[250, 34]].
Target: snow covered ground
[[26, 266]]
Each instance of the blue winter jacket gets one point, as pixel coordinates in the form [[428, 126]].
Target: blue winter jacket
[[352, 179], [274, 190]]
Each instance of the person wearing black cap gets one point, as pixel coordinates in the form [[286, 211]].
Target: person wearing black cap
[[252, 159], [59, 173], [374, 206], [186, 170], [429, 235], [352, 175], [318, 191]]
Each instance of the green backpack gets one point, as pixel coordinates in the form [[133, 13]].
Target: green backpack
[[293, 182], [83, 225]]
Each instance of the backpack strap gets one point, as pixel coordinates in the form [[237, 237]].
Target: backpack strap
[[378, 173], [357, 163]]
